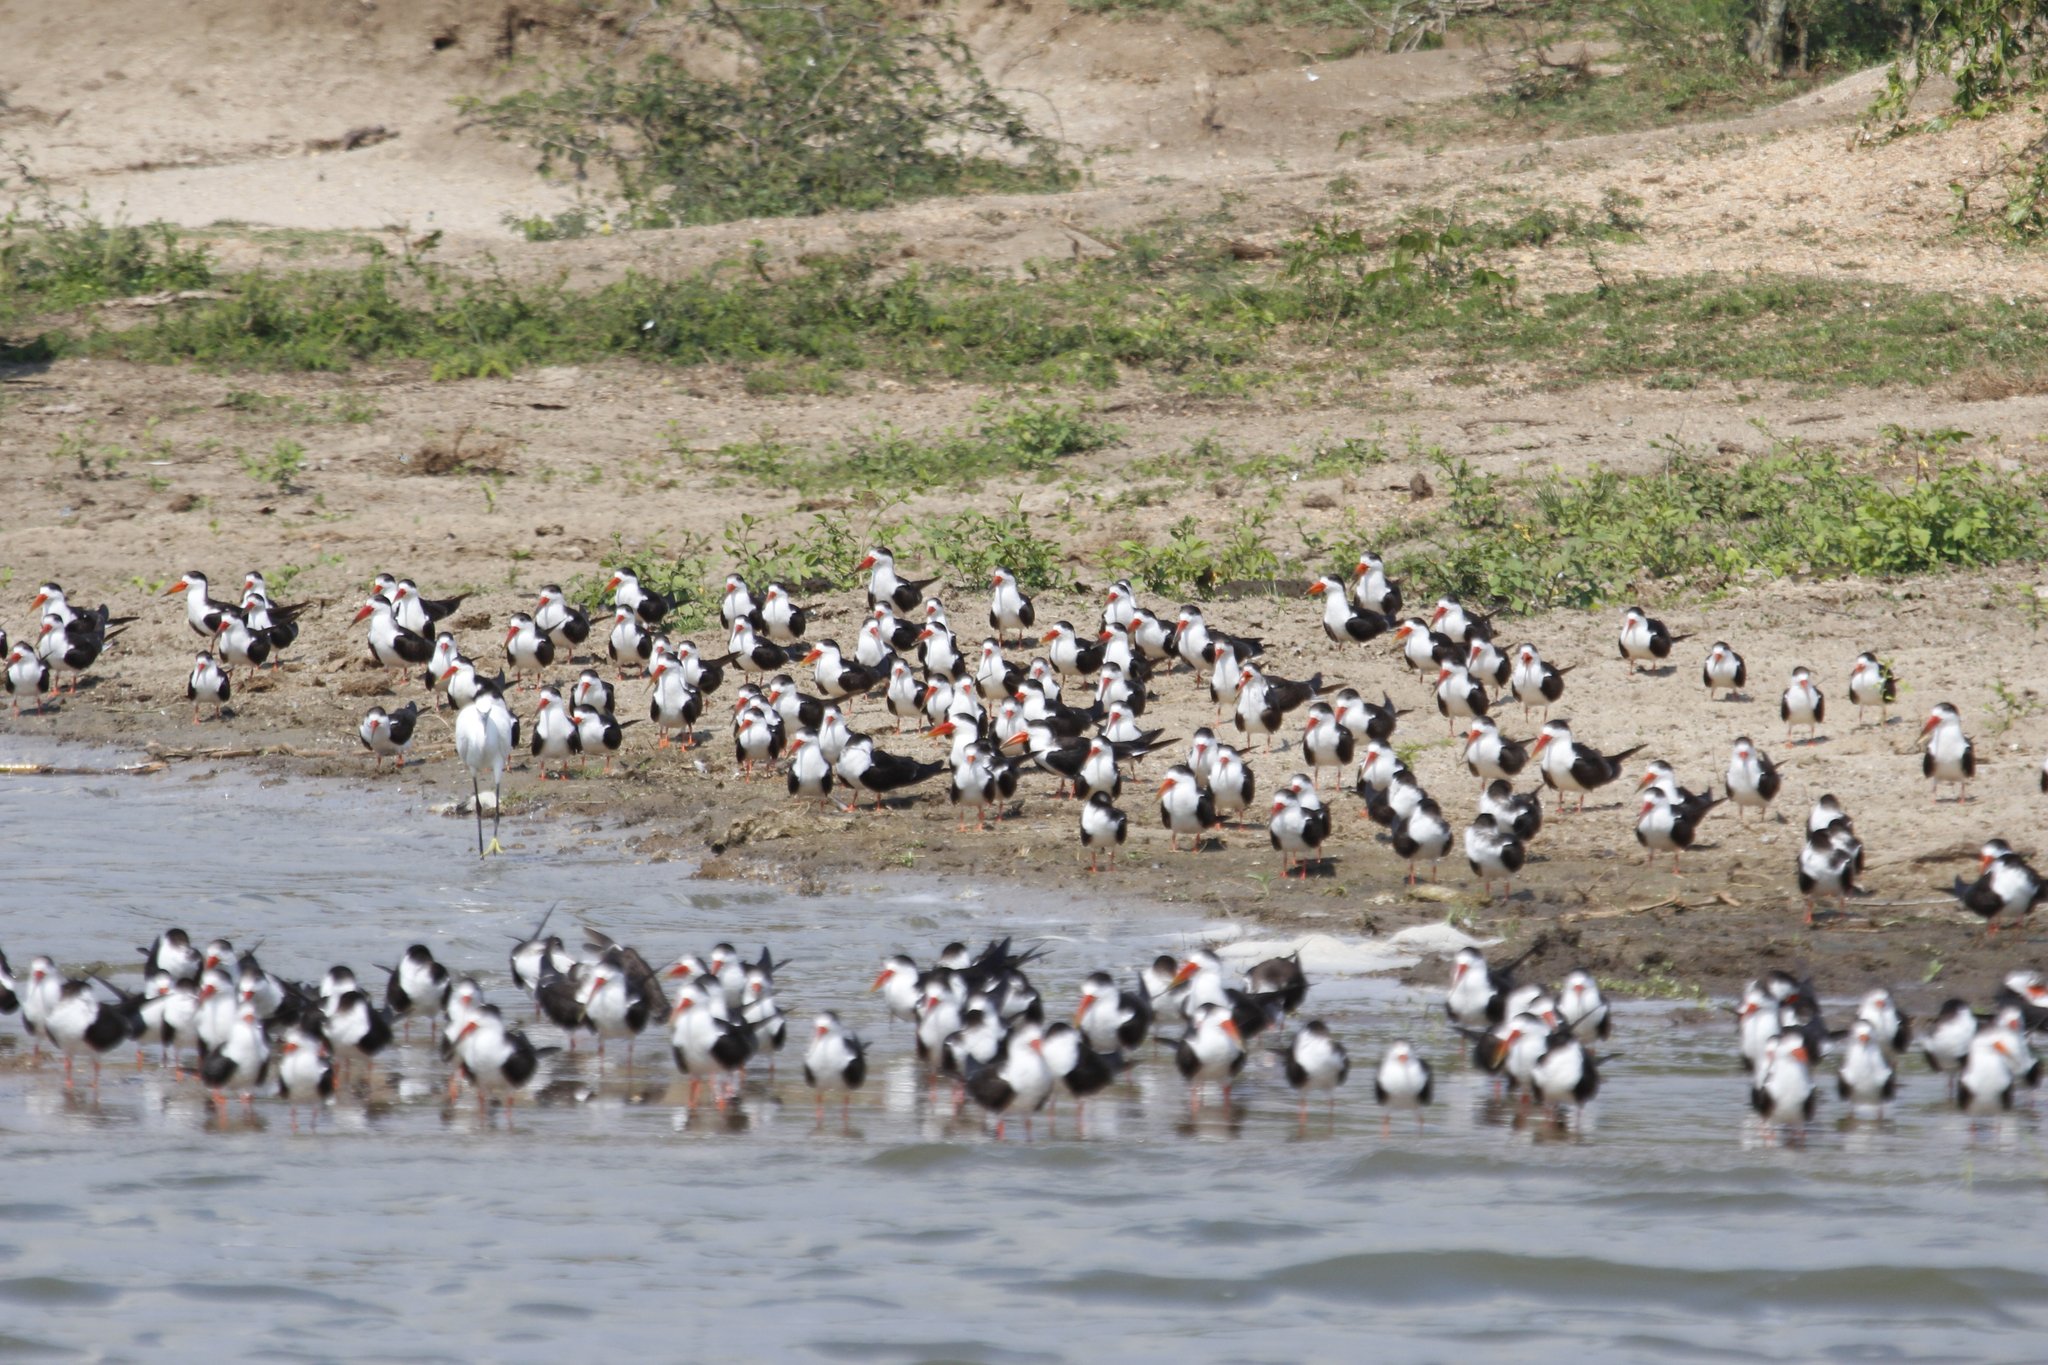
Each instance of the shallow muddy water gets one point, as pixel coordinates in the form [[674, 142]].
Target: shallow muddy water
[[607, 1216]]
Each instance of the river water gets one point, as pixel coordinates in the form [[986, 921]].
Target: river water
[[1666, 1224]]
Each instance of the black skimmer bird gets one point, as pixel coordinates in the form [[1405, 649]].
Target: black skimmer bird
[[1478, 992], [1486, 665], [566, 624], [356, 1028], [1102, 825], [810, 773], [1753, 780], [1871, 684], [1343, 622], [170, 1013], [1802, 704], [598, 732], [172, 952], [1184, 808], [202, 612], [987, 778], [486, 732], [1535, 684], [555, 737], [1946, 1042], [885, 586], [1827, 866], [796, 709], [1989, 1076], [1865, 1075], [240, 1062], [2006, 885], [239, 646], [446, 652], [994, 677], [496, 1059], [646, 604], [417, 987], [1151, 637], [527, 650], [836, 678], [1493, 852], [736, 603], [938, 649], [1077, 1066], [305, 1075], [835, 1062], [1017, 1080], [392, 646], [782, 620], [1263, 700], [1314, 1060], [1212, 1049], [50, 601], [882, 634], [1298, 831], [1565, 1072], [1723, 671], [1008, 609], [1232, 784], [1581, 1007], [1568, 766], [1403, 1080], [80, 1023], [1664, 826], [674, 705], [1070, 654], [901, 985], [1949, 755], [1324, 742], [619, 997], [1518, 813], [903, 696], [1113, 1020], [1490, 755], [74, 646], [1226, 672], [1455, 623], [1425, 650], [629, 644], [1372, 589], [27, 676], [386, 734], [757, 737], [1459, 696], [1423, 834], [706, 1041], [754, 655], [866, 768], [1364, 719], [1645, 637], [207, 686], [417, 613], [1119, 604], [1783, 1086]]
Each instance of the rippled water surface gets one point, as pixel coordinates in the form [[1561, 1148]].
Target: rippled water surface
[[1667, 1226]]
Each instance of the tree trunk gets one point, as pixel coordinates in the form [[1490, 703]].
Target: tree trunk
[[1767, 34]]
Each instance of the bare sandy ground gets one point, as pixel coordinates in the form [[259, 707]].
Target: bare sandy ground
[[183, 119]]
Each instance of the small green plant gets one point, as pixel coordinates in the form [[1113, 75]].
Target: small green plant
[[682, 577], [280, 468], [2009, 706]]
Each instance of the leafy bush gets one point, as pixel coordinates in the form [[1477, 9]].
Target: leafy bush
[[1186, 562], [972, 543], [840, 105], [62, 255]]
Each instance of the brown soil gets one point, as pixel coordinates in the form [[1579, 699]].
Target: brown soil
[[204, 111]]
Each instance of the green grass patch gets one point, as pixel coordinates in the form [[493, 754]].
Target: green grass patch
[[1340, 305], [1030, 439], [1702, 522]]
